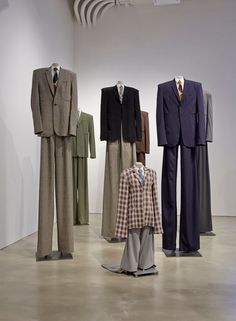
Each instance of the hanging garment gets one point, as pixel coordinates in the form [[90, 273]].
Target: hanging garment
[[54, 115], [81, 144], [180, 122], [121, 128], [143, 147], [204, 186]]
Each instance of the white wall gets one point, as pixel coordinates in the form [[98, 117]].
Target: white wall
[[33, 34], [147, 45]]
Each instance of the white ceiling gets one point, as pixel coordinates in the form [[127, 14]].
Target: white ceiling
[[87, 12]]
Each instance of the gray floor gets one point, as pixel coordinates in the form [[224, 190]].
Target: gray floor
[[186, 289]]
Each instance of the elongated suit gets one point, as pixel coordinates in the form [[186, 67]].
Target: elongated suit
[[204, 186], [180, 122], [138, 218], [121, 128], [54, 116], [81, 145]]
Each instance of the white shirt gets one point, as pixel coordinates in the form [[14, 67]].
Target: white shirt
[[177, 79]]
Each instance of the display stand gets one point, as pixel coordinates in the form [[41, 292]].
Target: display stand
[[115, 268], [54, 256], [208, 234], [178, 253]]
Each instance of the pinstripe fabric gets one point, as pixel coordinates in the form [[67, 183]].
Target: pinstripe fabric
[[137, 202]]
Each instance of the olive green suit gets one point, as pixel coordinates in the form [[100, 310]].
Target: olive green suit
[[81, 144]]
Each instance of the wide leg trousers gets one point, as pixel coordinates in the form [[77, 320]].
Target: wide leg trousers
[[119, 156], [55, 170], [80, 188], [189, 210], [139, 250]]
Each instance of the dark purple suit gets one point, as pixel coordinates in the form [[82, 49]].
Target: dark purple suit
[[180, 123]]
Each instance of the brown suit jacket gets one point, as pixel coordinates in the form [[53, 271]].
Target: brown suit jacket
[[137, 202], [144, 145], [54, 110]]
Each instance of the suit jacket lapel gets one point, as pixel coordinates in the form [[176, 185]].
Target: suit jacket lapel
[[116, 93], [49, 79], [175, 90]]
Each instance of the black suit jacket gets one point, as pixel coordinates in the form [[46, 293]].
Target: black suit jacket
[[114, 113], [180, 122]]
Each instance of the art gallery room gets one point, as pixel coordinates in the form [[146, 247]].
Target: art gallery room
[[118, 160]]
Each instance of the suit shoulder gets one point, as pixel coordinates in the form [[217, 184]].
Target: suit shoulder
[[107, 89], [40, 70], [194, 83], [88, 115], [72, 73], [132, 89], [166, 84]]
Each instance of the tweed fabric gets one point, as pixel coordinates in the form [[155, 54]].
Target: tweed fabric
[[137, 202]]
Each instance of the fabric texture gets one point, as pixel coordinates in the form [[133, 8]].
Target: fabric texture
[[137, 202]]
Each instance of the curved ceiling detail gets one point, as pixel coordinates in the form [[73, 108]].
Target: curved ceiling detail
[[88, 12]]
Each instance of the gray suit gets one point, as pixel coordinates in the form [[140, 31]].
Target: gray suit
[[84, 139], [204, 186], [54, 115]]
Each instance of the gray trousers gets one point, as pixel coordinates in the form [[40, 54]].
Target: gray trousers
[[55, 169], [119, 156], [204, 187], [139, 250]]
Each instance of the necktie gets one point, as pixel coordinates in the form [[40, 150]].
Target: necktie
[[121, 91], [55, 77], [141, 174], [180, 90]]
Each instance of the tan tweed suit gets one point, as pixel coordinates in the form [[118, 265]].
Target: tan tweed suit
[[54, 115]]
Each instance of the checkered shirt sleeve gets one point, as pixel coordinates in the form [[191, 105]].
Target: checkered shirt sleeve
[[122, 208]]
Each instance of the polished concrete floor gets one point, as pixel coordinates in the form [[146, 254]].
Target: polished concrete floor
[[186, 289]]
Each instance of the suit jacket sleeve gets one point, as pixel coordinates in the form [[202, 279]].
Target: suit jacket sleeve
[[157, 223], [35, 105], [103, 117], [138, 117], [201, 132], [92, 139], [209, 122], [147, 135], [160, 120], [122, 208], [73, 108]]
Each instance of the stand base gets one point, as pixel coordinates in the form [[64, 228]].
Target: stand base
[[115, 268], [54, 256], [178, 253], [207, 234], [114, 240]]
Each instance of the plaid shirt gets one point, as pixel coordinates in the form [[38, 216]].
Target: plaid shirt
[[137, 202]]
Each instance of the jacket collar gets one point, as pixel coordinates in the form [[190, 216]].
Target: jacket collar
[[115, 89]]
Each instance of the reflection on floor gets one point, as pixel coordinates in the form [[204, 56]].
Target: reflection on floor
[[186, 289]]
